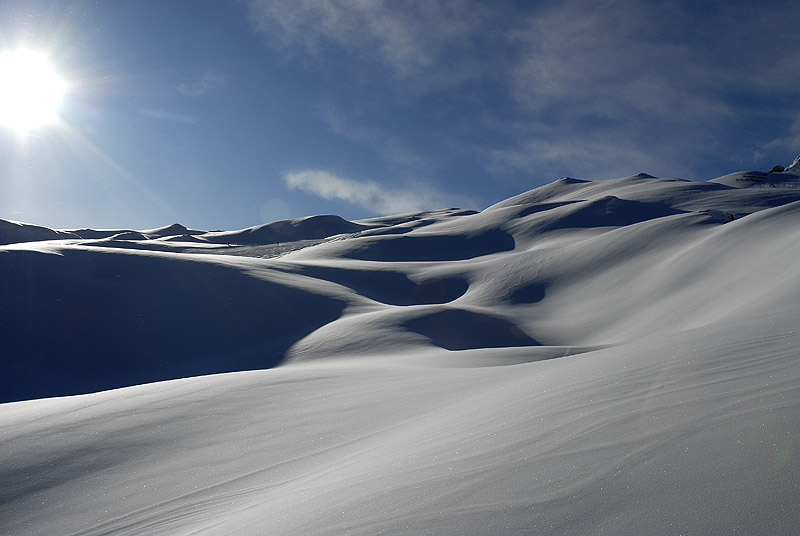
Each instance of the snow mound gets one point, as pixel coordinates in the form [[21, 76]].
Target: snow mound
[[128, 235], [13, 232], [182, 238], [176, 229], [98, 234], [553, 191], [313, 227]]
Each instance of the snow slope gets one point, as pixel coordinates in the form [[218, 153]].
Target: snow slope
[[611, 357], [13, 231]]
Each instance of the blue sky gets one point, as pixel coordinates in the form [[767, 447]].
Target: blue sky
[[223, 115]]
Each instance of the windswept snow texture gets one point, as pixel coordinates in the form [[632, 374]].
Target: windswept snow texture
[[612, 357]]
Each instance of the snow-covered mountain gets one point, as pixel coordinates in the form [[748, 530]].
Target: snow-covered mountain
[[613, 357]]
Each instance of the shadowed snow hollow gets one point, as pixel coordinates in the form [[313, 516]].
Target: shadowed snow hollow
[[84, 320]]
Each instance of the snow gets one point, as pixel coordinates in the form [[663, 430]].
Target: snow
[[12, 232], [794, 167], [176, 229], [313, 227], [609, 357]]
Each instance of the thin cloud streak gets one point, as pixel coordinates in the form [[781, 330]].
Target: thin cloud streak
[[412, 39], [369, 194], [637, 83], [378, 139], [786, 143], [579, 157], [646, 86]]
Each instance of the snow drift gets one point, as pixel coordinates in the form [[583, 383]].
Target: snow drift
[[588, 357]]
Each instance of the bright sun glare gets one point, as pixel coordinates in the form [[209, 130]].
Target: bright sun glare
[[30, 90]]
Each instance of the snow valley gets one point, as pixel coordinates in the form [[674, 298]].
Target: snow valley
[[613, 357]]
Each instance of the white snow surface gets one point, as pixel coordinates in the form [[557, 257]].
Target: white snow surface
[[612, 357]]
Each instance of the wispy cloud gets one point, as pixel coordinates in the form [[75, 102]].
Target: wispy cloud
[[380, 140], [581, 156], [205, 83], [788, 142], [410, 38], [371, 195], [636, 81], [631, 85]]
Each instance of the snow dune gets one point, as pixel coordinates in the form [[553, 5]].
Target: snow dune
[[613, 357]]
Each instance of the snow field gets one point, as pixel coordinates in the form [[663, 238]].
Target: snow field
[[611, 357]]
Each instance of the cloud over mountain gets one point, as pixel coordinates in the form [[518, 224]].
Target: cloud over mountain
[[368, 194]]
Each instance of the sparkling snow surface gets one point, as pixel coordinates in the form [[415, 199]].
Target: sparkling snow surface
[[611, 357]]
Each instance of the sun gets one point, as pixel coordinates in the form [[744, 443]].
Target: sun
[[30, 90]]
